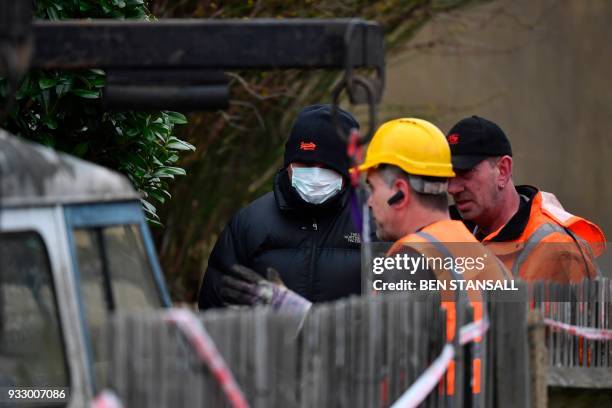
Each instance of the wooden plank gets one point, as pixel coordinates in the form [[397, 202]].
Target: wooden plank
[[558, 335], [490, 360], [580, 377], [206, 43], [340, 357], [538, 366], [607, 295], [374, 375], [575, 321], [512, 386]]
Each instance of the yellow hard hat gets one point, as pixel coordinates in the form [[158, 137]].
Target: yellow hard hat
[[414, 145]]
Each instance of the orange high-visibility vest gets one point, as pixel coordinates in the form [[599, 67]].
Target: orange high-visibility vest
[[554, 246], [459, 242]]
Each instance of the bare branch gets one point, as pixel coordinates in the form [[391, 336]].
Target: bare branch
[[231, 121], [255, 111], [254, 93]]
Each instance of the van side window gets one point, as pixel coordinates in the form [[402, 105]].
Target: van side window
[[115, 274], [31, 346]]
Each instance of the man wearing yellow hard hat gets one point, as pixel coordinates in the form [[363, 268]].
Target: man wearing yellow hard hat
[[408, 165]]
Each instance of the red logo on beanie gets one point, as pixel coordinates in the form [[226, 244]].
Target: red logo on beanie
[[308, 146], [453, 139]]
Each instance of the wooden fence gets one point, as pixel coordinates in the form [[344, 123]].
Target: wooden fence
[[359, 352], [574, 360]]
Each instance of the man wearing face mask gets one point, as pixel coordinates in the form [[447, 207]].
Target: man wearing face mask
[[303, 228]]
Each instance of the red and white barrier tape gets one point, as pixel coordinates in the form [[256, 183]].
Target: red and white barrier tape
[[473, 330], [106, 399], [204, 346], [423, 386], [589, 333]]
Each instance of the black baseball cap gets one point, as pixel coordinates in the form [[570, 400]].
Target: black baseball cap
[[314, 138], [474, 139]]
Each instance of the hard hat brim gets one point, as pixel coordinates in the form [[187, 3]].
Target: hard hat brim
[[366, 166]]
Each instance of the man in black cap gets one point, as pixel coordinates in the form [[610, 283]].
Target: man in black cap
[[526, 228], [303, 228]]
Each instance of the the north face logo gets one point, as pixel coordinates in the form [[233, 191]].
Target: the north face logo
[[308, 146], [353, 238], [453, 139]]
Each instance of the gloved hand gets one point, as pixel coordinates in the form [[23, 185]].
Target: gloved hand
[[244, 286]]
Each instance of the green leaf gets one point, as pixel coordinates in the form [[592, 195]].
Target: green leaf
[[52, 13], [106, 7], [161, 128], [87, 94], [80, 149], [180, 145], [174, 170], [62, 89], [46, 83], [169, 172], [176, 118], [148, 206], [154, 222], [137, 160], [157, 196], [86, 81], [50, 122], [98, 82], [148, 134], [46, 99], [131, 132], [125, 141]]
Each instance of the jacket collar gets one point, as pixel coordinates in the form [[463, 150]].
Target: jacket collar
[[515, 226], [290, 202]]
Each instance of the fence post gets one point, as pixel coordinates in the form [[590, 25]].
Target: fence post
[[511, 360], [538, 362]]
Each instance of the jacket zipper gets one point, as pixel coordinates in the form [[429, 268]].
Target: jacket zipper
[[315, 228]]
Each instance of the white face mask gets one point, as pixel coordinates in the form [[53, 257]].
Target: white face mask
[[314, 184]]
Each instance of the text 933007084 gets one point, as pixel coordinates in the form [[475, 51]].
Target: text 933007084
[[15, 395]]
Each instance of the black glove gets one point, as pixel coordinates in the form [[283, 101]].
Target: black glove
[[243, 286]]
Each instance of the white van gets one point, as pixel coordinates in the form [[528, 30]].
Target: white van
[[74, 246]]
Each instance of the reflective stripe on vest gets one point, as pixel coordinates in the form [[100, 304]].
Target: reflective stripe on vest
[[538, 235], [440, 247], [475, 346]]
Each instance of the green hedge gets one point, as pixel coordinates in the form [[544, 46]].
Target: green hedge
[[63, 110]]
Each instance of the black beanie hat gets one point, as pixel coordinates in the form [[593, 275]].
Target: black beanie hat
[[314, 139]]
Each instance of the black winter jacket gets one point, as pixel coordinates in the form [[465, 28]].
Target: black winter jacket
[[315, 249]]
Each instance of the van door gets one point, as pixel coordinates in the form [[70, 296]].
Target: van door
[[116, 270], [40, 339]]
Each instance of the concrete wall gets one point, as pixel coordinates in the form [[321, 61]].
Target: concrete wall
[[541, 69]]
